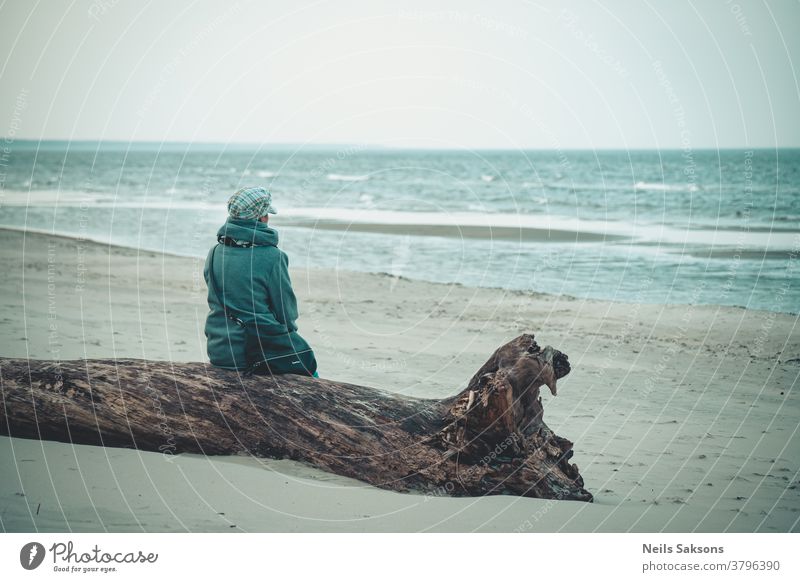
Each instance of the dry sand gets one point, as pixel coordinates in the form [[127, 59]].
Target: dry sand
[[684, 418]]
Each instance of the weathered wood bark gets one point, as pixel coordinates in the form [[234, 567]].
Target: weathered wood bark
[[489, 439]]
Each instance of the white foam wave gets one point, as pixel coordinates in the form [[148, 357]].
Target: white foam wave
[[51, 198], [76, 199], [788, 218], [347, 178], [662, 187]]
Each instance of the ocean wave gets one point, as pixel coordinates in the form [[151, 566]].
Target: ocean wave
[[97, 200], [347, 178], [574, 186], [662, 187], [259, 173], [605, 186], [50, 198]]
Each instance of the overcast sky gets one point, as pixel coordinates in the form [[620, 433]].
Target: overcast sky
[[508, 74]]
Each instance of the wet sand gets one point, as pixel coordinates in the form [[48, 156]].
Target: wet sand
[[526, 234]]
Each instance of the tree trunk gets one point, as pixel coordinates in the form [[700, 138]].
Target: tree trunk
[[489, 439]]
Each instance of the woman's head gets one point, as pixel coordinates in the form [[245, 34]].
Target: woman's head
[[251, 204]]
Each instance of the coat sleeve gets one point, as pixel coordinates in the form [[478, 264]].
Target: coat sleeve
[[286, 302]]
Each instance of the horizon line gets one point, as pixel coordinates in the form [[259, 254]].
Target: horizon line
[[377, 146]]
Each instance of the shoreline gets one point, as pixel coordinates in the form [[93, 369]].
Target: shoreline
[[139, 250]]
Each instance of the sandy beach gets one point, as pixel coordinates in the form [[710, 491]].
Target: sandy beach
[[684, 417]]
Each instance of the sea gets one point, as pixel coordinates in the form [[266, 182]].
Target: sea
[[718, 227]]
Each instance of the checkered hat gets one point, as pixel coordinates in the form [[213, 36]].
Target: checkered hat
[[251, 203]]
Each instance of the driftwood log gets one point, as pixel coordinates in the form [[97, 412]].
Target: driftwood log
[[488, 439]]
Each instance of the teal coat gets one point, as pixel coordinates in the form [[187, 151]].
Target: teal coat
[[256, 286]]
